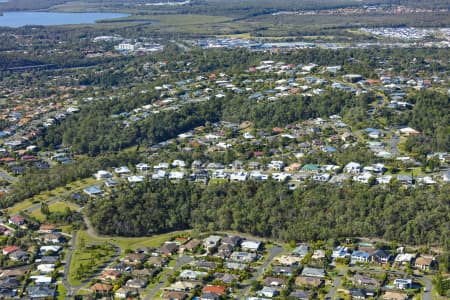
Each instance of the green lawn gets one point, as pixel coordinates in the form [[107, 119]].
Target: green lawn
[[133, 243], [84, 256], [87, 256], [60, 192], [61, 292], [153, 241], [54, 207]]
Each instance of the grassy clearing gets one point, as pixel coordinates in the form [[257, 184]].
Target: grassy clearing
[[62, 292], [133, 243], [87, 258], [153, 241], [54, 207], [59, 192], [177, 20]]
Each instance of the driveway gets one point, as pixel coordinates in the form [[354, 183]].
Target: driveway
[[272, 253], [428, 288]]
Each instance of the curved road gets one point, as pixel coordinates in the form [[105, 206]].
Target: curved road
[[181, 261], [272, 253], [429, 286], [7, 177]]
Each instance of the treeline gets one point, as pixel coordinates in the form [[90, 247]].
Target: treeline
[[431, 116], [36, 181], [270, 209], [297, 108], [94, 130]]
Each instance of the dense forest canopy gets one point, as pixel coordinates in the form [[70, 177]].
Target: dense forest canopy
[[417, 216]]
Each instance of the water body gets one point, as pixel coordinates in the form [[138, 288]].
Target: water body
[[18, 19]]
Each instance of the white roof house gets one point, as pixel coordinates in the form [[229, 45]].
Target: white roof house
[[340, 252], [250, 245], [363, 178], [46, 268], [352, 167], [192, 275], [53, 248], [142, 167], [176, 175], [135, 179], [238, 176], [404, 257], [211, 241], [102, 174], [39, 279], [178, 163], [160, 174], [122, 170]]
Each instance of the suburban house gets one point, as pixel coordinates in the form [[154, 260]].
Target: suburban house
[[112, 275], [190, 245], [359, 256], [268, 292], [225, 250], [252, 246], [183, 286], [46, 228], [340, 252], [245, 257], [424, 263], [191, 275], [360, 280], [211, 241], [404, 258], [53, 238], [19, 255], [299, 295], [134, 259], [101, 288], [16, 220], [93, 191], [218, 290], [172, 295], [403, 284], [233, 240], [282, 271], [379, 257], [136, 283], [168, 248], [41, 292], [157, 261], [352, 167], [9, 249], [288, 260], [313, 272], [102, 174], [301, 251], [275, 281], [390, 295], [308, 281]]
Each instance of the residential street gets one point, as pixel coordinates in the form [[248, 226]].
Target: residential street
[[392, 144], [181, 261], [5, 176], [70, 289], [272, 253], [337, 282], [428, 286]]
